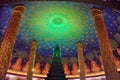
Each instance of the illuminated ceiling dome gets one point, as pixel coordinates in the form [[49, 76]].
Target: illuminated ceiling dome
[[63, 23]]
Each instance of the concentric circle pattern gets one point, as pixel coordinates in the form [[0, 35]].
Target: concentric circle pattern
[[62, 23]]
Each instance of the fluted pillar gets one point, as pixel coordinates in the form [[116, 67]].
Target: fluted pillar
[[81, 61], [9, 38], [31, 60], [105, 46]]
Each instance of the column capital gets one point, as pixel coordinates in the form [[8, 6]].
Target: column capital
[[19, 8], [95, 11], [79, 44], [34, 43]]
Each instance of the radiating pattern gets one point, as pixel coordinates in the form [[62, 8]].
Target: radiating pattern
[[62, 23]]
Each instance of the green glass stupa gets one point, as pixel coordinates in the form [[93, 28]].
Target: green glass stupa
[[56, 71]]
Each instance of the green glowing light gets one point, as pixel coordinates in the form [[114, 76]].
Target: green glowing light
[[54, 22], [57, 20], [57, 52]]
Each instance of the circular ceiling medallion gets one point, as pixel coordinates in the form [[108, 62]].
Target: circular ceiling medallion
[[57, 20]]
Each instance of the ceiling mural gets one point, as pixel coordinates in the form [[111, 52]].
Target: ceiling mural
[[60, 23]]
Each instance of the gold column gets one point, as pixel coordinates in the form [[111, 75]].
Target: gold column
[[105, 46], [81, 61], [31, 60], [9, 40]]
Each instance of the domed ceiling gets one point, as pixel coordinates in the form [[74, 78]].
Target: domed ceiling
[[60, 23]]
